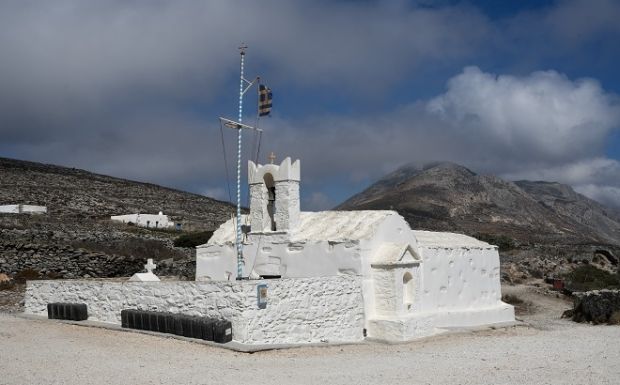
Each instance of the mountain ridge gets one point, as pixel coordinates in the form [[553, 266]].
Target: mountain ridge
[[444, 196]]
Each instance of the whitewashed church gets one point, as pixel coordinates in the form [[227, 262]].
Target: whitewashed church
[[413, 283]]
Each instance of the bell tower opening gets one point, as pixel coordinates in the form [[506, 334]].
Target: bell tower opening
[[271, 199], [274, 196]]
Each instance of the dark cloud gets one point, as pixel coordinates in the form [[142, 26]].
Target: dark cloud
[[133, 89]]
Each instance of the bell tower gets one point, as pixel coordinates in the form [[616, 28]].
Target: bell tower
[[274, 196]]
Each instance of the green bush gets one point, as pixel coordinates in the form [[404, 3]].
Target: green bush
[[588, 277], [193, 239]]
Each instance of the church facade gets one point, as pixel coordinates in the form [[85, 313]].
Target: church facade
[[414, 283]]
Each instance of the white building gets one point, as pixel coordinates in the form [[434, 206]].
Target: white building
[[23, 209], [156, 221], [414, 283]]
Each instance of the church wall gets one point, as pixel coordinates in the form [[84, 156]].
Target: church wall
[[216, 262], [308, 310], [459, 278], [273, 254]]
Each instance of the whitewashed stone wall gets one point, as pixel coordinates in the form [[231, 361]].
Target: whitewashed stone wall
[[308, 310], [287, 205], [22, 209], [145, 220]]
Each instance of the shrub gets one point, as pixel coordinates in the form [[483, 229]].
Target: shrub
[[27, 274], [7, 285], [503, 242], [521, 306], [588, 277], [193, 239], [614, 319], [512, 299], [132, 247]]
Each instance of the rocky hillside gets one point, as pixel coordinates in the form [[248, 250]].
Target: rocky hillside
[[76, 237], [540, 226]]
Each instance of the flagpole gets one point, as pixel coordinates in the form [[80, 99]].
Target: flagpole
[[240, 263]]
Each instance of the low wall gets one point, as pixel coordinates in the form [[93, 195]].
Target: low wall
[[302, 310], [18, 209]]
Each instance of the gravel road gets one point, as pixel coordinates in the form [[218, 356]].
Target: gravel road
[[547, 351]]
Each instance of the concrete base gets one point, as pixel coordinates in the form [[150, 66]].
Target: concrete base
[[252, 348], [428, 324]]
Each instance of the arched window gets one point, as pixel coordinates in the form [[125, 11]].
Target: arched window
[[408, 290], [271, 199]]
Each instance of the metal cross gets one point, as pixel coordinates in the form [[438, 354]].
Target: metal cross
[[150, 266], [272, 157]]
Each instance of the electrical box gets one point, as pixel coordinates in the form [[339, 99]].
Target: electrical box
[[261, 294]]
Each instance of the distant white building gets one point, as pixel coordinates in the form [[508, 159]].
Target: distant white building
[[23, 209], [413, 282], [155, 221]]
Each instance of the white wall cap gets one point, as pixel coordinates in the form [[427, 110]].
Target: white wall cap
[[433, 239], [282, 172]]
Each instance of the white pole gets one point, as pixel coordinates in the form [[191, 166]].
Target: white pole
[[239, 246]]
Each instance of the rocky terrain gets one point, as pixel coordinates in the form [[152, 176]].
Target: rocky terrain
[[541, 228], [76, 238]]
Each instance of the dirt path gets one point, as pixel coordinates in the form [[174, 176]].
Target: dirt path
[[549, 351]]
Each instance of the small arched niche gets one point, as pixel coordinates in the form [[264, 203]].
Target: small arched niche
[[271, 200], [408, 290]]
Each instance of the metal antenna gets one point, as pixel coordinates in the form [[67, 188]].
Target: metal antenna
[[244, 86], [242, 81]]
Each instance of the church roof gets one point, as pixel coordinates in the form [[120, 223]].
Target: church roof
[[437, 240], [336, 226]]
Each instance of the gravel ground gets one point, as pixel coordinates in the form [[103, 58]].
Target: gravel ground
[[547, 350]]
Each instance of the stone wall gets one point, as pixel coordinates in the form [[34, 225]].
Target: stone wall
[[101, 253], [306, 310]]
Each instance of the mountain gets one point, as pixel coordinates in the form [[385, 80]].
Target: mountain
[[450, 197], [76, 237]]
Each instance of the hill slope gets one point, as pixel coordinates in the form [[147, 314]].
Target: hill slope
[[76, 237]]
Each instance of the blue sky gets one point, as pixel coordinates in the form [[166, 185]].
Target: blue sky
[[521, 89]]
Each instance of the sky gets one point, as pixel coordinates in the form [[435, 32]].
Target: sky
[[133, 89]]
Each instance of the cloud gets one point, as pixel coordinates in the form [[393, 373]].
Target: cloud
[[607, 195], [597, 178], [541, 126], [544, 116]]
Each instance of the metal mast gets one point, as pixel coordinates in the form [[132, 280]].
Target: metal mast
[[244, 86]]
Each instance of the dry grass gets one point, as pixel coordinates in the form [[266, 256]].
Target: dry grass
[[521, 306]]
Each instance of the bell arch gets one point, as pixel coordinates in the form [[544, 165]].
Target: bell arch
[[270, 202]]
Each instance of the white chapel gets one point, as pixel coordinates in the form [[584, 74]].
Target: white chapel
[[413, 282]]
